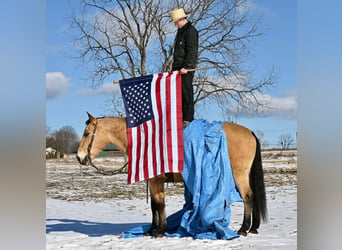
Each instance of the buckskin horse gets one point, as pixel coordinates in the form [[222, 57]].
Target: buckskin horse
[[245, 159]]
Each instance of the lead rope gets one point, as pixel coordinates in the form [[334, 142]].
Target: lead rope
[[90, 146], [91, 162]]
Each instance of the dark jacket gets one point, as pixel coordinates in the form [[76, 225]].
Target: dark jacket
[[186, 48]]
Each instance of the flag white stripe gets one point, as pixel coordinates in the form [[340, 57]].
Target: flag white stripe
[[174, 122], [156, 119], [164, 135], [149, 149], [134, 153], [142, 149]]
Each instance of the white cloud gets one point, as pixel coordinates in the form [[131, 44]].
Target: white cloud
[[104, 89], [246, 6], [56, 84], [284, 107], [250, 6]]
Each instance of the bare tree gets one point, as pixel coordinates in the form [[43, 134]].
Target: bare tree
[[285, 141], [129, 38], [66, 140], [50, 141], [47, 130]]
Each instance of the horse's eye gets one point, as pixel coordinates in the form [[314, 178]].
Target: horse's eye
[[86, 134]]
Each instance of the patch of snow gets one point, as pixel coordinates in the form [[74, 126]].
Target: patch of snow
[[97, 225]]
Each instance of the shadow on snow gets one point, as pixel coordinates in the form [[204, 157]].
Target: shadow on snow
[[92, 229]]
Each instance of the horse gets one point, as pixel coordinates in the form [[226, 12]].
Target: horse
[[245, 159]]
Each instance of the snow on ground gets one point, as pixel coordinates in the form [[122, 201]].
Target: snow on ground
[[81, 216], [92, 225]]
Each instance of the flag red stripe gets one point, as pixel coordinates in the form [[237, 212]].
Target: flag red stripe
[[129, 141], [138, 143], [179, 123], [168, 121], [160, 122]]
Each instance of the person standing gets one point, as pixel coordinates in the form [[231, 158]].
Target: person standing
[[185, 57]]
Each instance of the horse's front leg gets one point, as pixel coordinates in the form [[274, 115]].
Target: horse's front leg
[[162, 226], [155, 216], [157, 206]]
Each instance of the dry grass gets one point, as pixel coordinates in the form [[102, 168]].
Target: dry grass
[[66, 181]]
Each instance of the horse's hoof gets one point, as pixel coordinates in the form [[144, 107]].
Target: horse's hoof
[[148, 233], [242, 233], [253, 231], [159, 235]]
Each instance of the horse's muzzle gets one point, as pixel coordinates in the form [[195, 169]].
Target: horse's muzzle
[[82, 161]]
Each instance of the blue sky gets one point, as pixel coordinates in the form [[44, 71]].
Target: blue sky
[[69, 96]]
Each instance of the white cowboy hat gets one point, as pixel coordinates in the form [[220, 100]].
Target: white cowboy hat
[[177, 14]]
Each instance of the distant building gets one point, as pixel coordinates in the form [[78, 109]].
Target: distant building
[[110, 151], [50, 153]]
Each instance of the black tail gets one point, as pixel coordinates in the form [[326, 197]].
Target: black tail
[[256, 179]]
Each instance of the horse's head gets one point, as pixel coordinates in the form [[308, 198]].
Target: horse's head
[[91, 143]]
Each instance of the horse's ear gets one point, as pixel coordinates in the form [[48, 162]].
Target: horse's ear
[[91, 118]]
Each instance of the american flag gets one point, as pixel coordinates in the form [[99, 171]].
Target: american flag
[[153, 107]]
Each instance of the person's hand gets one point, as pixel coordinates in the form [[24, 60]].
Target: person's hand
[[183, 71]]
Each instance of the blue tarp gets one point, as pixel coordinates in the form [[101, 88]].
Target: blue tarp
[[209, 187]]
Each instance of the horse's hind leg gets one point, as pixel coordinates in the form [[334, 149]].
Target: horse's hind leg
[[255, 221], [247, 196], [248, 204]]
